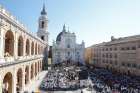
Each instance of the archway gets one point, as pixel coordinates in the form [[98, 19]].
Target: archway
[[20, 46], [38, 66], [27, 47], [26, 74], [9, 44], [7, 83], [32, 71], [35, 69], [36, 49], [32, 49], [19, 80]]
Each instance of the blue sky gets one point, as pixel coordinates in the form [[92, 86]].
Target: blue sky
[[93, 21]]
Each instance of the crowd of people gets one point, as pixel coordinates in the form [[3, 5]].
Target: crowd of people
[[108, 82], [73, 77], [61, 78]]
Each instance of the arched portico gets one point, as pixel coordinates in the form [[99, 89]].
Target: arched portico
[[35, 69], [7, 83], [36, 48], [27, 47], [26, 75], [32, 71], [20, 46], [9, 44], [19, 79], [32, 48]]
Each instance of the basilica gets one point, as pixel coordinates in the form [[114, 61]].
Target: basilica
[[65, 49]]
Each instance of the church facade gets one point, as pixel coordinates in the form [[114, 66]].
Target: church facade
[[65, 48]]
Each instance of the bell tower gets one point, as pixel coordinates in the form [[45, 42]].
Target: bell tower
[[43, 25]]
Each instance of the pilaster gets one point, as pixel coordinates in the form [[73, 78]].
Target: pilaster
[[30, 45], [2, 44], [24, 47], [14, 82], [29, 74], [34, 48], [23, 79], [15, 46]]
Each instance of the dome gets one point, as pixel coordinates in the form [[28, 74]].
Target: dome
[[59, 36], [61, 33]]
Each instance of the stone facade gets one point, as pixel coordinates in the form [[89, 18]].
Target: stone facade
[[66, 49], [21, 54], [88, 55], [120, 55]]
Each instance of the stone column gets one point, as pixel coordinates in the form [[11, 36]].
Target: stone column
[[33, 71], [29, 73], [2, 45], [34, 48], [14, 81], [24, 47]]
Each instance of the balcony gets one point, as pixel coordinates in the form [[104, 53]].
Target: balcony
[[11, 61]]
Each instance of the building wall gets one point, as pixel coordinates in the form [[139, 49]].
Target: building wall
[[88, 55], [121, 55], [18, 49]]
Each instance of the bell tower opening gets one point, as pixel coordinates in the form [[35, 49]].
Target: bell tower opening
[[42, 37], [42, 24]]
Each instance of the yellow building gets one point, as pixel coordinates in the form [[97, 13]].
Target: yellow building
[[120, 55]]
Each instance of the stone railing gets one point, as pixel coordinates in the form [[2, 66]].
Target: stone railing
[[5, 64]]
